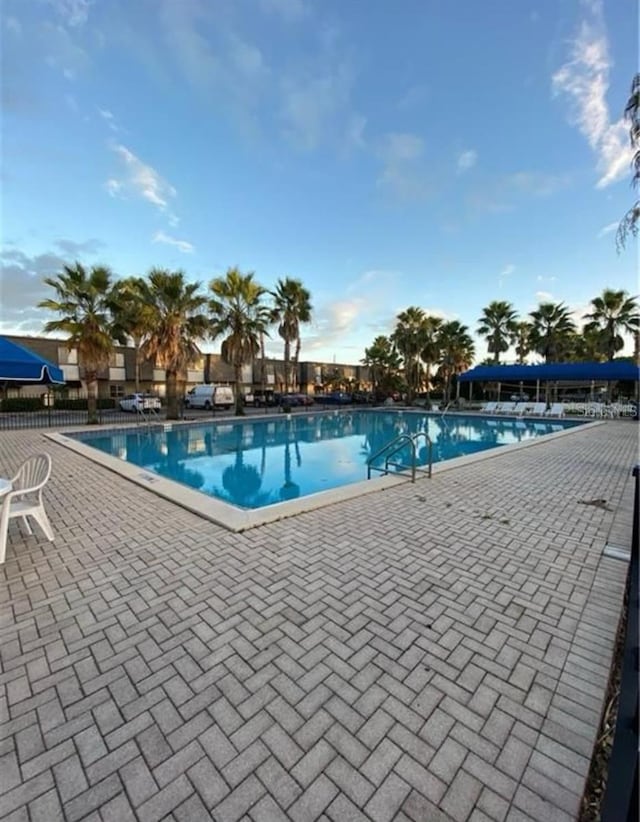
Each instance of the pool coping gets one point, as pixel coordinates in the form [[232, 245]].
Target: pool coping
[[238, 519]]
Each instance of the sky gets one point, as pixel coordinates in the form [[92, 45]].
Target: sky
[[388, 154]]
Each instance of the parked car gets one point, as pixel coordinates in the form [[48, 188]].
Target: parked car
[[140, 402], [264, 398], [304, 399], [335, 398], [209, 396], [292, 400]]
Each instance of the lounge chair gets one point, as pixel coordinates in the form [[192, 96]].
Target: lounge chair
[[25, 499], [489, 408], [506, 408], [539, 409], [556, 410]]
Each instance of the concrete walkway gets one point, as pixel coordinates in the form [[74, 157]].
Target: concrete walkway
[[431, 652]]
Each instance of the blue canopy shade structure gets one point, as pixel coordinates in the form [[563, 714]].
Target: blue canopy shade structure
[[19, 366], [562, 371]]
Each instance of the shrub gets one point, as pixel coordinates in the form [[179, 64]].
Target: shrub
[[13, 404], [66, 404]]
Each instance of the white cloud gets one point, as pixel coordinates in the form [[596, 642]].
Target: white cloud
[[507, 270], [607, 229], [109, 118], [73, 12], [113, 187], [313, 101], [13, 25], [401, 154], [542, 279], [467, 160], [290, 10], [141, 180], [413, 97], [181, 245], [355, 131], [584, 82], [544, 296], [537, 183]]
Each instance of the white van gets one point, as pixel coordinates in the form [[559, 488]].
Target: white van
[[209, 396]]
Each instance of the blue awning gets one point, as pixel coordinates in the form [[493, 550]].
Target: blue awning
[[19, 365], [567, 371]]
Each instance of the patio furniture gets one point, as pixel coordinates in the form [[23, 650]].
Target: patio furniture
[[506, 408], [539, 409], [556, 410], [25, 499]]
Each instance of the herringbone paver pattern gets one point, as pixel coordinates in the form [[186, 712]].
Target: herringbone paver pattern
[[431, 652]]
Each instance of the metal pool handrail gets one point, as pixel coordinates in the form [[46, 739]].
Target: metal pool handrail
[[396, 445]]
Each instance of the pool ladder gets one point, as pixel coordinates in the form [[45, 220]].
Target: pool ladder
[[394, 447]]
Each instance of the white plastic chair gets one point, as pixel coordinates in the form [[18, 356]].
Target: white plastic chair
[[556, 410], [25, 499], [539, 409]]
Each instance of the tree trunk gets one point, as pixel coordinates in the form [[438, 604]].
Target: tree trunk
[[296, 356], [238, 375], [172, 394], [92, 394], [287, 359], [136, 345], [428, 375], [263, 373]]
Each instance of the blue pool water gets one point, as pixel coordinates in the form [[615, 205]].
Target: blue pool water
[[257, 462]]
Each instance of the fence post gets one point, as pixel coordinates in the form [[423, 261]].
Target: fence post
[[621, 797]]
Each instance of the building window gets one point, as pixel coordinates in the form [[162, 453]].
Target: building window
[[116, 360], [66, 356], [116, 391]]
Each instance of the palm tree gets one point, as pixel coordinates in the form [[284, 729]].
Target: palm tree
[[383, 362], [430, 352], [82, 300], [614, 312], [458, 351], [408, 338], [629, 223], [551, 330], [131, 306], [237, 311], [177, 325], [292, 306], [586, 346], [498, 325], [522, 339]]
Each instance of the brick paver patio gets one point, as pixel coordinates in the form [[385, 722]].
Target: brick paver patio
[[432, 652]]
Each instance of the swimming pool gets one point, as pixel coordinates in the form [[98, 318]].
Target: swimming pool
[[255, 463]]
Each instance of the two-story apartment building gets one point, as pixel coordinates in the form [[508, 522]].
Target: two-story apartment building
[[119, 377]]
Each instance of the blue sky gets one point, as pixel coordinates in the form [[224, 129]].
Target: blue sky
[[388, 154]]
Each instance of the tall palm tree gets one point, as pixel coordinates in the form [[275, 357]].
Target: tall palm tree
[[383, 362], [132, 310], [629, 223], [551, 331], [614, 312], [82, 300], [522, 339], [586, 346], [408, 338], [177, 325], [291, 307], [457, 353], [430, 352], [238, 312], [498, 325]]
